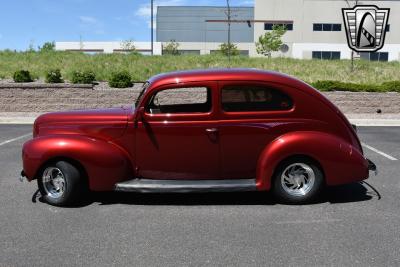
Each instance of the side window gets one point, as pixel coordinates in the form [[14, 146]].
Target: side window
[[254, 98], [180, 100]]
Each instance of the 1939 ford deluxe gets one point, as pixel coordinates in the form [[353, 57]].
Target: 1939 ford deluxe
[[203, 130]]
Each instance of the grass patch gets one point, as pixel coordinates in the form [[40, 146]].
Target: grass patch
[[391, 86], [142, 67]]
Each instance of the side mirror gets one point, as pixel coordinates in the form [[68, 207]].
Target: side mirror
[[139, 115]]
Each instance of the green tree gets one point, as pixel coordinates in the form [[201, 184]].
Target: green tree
[[224, 49], [270, 41], [47, 47], [171, 48]]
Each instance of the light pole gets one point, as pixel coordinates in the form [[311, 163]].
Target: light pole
[[229, 30], [151, 27]]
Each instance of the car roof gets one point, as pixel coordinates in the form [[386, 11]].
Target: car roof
[[230, 74], [236, 74]]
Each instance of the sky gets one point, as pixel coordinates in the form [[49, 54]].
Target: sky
[[25, 23]]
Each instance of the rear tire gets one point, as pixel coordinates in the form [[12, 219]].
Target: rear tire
[[298, 181], [60, 184]]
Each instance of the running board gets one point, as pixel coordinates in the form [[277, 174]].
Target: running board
[[185, 186]]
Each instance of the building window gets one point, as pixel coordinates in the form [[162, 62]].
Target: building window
[[244, 53], [328, 55], [241, 52], [327, 27], [387, 27], [336, 27], [239, 98], [376, 56], [189, 52], [269, 26], [317, 27]]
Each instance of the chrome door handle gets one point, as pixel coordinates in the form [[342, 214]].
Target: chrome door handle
[[211, 130]]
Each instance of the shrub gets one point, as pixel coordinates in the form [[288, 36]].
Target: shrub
[[22, 76], [54, 76], [171, 48], [120, 80], [224, 49], [83, 77], [129, 46]]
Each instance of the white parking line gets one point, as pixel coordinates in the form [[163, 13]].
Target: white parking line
[[15, 139], [309, 221], [378, 151]]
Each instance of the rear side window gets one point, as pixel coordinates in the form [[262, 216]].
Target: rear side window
[[181, 100], [254, 98]]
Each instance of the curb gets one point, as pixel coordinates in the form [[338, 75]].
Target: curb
[[44, 86], [375, 122]]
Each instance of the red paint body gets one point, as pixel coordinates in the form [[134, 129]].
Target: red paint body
[[115, 145]]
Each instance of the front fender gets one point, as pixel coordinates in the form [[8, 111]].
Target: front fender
[[105, 163], [341, 162]]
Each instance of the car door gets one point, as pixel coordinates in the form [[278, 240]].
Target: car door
[[177, 136], [252, 113]]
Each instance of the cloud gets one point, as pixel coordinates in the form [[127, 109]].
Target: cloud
[[144, 10], [88, 20], [92, 24], [245, 3]]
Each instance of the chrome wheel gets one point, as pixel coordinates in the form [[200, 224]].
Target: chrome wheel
[[53, 182], [298, 179]]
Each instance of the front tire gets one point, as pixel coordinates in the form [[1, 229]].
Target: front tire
[[298, 181], [60, 184]]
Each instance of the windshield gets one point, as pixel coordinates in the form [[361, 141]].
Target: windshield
[[144, 87]]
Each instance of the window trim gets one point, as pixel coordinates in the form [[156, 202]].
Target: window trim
[[208, 94], [260, 113], [211, 85]]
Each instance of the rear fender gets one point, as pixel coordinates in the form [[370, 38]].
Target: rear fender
[[104, 162], [341, 162]]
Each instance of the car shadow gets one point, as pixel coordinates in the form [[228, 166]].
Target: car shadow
[[355, 192]]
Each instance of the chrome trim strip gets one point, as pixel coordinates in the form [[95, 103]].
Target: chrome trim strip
[[185, 186]]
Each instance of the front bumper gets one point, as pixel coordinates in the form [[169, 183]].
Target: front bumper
[[372, 167]]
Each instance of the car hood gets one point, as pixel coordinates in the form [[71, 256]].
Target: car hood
[[107, 123]]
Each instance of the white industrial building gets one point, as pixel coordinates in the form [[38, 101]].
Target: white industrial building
[[318, 30], [315, 29], [108, 47]]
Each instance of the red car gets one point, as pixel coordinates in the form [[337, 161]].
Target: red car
[[203, 130]]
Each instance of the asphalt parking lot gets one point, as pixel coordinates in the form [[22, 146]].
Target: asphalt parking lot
[[357, 224]]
